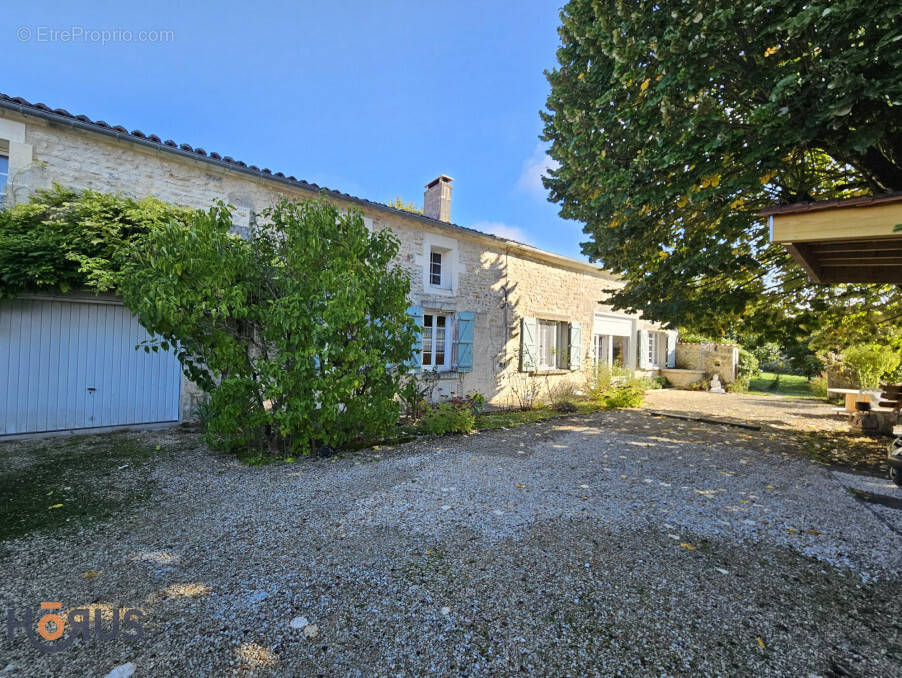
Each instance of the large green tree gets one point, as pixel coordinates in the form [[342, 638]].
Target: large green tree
[[299, 333], [675, 123]]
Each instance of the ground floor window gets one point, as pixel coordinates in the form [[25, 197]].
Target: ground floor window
[[436, 336], [611, 350], [553, 345], [654, 347]]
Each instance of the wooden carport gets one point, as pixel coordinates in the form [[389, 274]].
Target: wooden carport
[[858, 240]]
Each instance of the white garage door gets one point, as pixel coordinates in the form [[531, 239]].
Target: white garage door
[[72, 364]]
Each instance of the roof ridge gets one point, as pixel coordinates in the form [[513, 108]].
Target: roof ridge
[[43, 110]]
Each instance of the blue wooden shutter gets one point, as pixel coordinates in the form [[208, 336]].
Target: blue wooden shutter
[[576, 346], [671, 348], [465, 341], [529, 331], [643, 350], [416, 361]]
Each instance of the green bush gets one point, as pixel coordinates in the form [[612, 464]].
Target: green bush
[[872, 363], [449, 418], [416, 392], [688, 337], [748, 365], [299, 333], [629, 395], [819, 387], [63, 239]]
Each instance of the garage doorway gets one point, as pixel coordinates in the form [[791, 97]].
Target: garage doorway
[[68, 364]]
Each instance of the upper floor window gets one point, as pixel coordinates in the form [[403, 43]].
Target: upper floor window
[[4, 176], [436, 349], [435, 268]]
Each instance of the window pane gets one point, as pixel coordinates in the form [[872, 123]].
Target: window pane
[[440, 341], [4, 172], [435, 268], [427, 340], [619, 352], [548, 332]]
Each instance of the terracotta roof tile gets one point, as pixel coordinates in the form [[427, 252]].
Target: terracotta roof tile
[[24, 106]]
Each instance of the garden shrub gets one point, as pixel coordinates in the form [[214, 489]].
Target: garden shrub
[[819, 387], [525, 390], [628, 395], [449, 417], [872, 363], [416, 392], [562, 396], [299, 333], [478, 401], [747, 367]]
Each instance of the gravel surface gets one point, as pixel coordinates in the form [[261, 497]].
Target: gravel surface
[[610, 544], [772, 411]]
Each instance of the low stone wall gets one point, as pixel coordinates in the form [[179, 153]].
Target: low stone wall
[[720, 359], [682, 378], [840, 377]]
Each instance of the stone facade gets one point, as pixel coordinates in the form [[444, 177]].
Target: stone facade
[[720, 359], [498, 280]]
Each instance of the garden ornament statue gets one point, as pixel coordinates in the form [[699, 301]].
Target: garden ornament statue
[[715, 385]]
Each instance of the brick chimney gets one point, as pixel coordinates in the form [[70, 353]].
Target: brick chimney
[[437, 201]]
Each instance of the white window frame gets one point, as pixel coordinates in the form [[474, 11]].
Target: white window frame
[[561, 345], [444, 366], [4, 177], [614, 325], [452, 268], [654, 349], [440, 253]]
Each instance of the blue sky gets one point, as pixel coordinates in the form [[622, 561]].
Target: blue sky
[[374, 98]]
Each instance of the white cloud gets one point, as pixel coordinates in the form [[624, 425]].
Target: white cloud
[[533, 169], [502, 230]]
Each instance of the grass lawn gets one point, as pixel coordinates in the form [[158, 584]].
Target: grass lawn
[[789, 384], [67, 482]]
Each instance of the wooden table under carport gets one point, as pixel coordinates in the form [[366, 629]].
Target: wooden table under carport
[[857, 240]]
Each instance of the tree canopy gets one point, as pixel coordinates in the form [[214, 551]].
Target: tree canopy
[[675, 123]]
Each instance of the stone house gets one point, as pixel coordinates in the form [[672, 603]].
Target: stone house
[[495, 314]]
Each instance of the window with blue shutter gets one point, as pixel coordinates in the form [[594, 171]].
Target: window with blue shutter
[[529, 328], [643, 350], [576, 346], [465, 322], [671, 349]]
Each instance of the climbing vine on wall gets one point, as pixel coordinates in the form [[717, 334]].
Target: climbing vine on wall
[[63, 239]]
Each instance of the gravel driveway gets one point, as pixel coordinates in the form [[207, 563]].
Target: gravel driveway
[[610, 544]]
